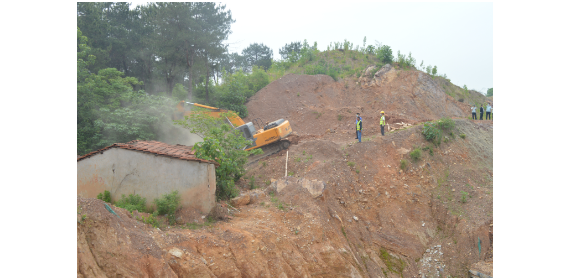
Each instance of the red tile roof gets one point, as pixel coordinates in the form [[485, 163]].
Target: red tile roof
[[154, 147]]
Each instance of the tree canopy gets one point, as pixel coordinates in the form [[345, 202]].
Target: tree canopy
[[290, 49], [257, 55]]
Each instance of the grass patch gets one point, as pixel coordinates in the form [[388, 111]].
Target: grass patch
[[252, 183], [351, 163], [464, 196], [132, 202], [209, 222], [290, 173], [151, 220], [357, 171], [393, 264], [416, 154], [403, 164], [339, 117], [462, 135]]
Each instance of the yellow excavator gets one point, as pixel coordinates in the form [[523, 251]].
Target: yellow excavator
[[271, 138]]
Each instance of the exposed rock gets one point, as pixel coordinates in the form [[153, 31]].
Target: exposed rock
[[243, 199], [315, 188], [176, 252], [255, 196]]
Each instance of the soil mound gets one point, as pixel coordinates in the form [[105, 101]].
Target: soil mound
[[315, 104]]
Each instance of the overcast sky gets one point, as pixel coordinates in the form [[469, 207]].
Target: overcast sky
[[457, 37]]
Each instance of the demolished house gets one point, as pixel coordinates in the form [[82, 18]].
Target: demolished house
[[149, 169]]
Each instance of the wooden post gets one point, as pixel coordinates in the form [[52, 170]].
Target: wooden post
[[286, 160]]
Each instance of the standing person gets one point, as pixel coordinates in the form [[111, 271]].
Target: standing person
[[382, 123], [488, 114], [474, 112], [358, 127], [481, 112]]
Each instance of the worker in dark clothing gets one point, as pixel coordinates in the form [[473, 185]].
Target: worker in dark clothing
[[481, 112], [358, 127]]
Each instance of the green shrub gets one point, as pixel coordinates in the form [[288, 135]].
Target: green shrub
[[168, 204], [432, 133], [339, 117], [462, 135], [446, 124], [105, 196], [151, 220], [350, 163], [132, 202], [416, 154], [403, 164]]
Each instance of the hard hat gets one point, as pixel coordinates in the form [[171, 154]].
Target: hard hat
[[382, 112]]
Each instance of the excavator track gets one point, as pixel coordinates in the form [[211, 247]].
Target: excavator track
[[270, 149]]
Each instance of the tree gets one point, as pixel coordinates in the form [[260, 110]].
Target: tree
[[434, 70], [86, 130], [385, 54], [257, 54], [209, 27], [109, 110], [222, 144], [231, 62], [289, 49], [489, 92]]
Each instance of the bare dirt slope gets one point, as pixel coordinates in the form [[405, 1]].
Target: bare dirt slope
[[372, 219], [314, 104]]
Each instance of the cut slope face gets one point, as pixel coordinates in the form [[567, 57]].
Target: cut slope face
[[314, 104], [372, 219]]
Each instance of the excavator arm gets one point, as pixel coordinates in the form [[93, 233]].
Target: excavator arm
[[184, 110]]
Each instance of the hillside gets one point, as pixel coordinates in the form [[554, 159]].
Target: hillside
[[345, 209], [371, 220]]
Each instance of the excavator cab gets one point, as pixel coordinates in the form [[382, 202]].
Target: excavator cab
[[248, 131]]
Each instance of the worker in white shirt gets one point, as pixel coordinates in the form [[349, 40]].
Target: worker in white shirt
[[474, 112], [488, 114]]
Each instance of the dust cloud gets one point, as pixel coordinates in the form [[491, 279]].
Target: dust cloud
[[171, 134]]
